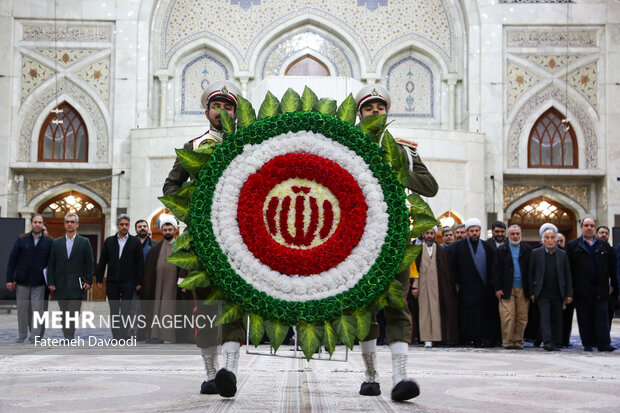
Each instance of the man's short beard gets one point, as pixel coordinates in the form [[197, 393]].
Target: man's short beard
[[515, 244], [474, 238], [168, 237], [429, 242]]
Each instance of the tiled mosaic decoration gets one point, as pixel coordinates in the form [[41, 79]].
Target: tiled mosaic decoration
[[411, 86], [195, 78]]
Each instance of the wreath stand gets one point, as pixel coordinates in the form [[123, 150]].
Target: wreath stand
[[297, 353]]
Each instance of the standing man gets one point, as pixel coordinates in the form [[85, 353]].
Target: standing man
[[602, 234], [561, 240], [593, 266], [122, 254], [435, 291], [222, 95], [142, 232], [460, 232], [27, 260], [70, 271], [510, 282], [375, 100], [447, 234], [498, 232], [550, 286], [472, 261]]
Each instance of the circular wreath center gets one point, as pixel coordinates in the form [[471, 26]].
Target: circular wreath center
[[301, 214]]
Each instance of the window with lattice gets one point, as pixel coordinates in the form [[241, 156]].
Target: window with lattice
[[68, 202], [307, 66], [63, 136], [540, 210], [552, 142]]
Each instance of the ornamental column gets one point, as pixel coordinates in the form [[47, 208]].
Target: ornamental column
[[451, 80], [163, 76]]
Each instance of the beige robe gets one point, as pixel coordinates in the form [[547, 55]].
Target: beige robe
[[165, 295], [428, 296]]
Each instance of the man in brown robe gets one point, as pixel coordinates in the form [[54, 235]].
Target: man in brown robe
[[160, 285], [435, 290]]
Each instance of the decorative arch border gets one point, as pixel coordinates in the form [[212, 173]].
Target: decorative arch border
[[432, 96], [56, 190], [518, 134], [185, 67], [289, 57], [37, 108], [556, 196]]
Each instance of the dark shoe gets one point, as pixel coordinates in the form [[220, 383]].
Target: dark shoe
[[511, 347], [606, 348], [587, 349], [550, 347], [226, 383], [537, 343], [405, 390], [208, 387], [20, 340], [370, 389]]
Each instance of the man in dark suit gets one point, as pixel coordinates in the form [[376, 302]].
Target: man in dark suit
[[122, 254], [498, 235], [593, 265], [472, 261], [70, 271], [509, 279], [28, 258], [550, 286]]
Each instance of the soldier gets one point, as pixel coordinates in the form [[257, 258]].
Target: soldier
[[374, 100], [223, 95]]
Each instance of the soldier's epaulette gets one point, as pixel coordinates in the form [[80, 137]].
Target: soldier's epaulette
[[198, 137], [404, 142]]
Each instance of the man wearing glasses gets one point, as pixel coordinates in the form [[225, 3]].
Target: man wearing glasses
[[70, 271]]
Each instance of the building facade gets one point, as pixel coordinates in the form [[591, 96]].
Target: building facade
[[514, 104]]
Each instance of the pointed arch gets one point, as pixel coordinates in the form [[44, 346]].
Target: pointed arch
[[63, 136]]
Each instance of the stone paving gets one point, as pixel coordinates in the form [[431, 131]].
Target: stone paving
[[451, 380]]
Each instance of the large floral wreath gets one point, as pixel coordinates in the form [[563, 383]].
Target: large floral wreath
[[299, 219]]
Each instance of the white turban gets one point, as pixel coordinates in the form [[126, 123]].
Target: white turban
[[473, 222], [168, 219], [545, 227]]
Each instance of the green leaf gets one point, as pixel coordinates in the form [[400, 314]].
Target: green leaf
[[192, 161], [195, 279], [372, 125], [276, 332], [421, 224], [308, 99], [310, 336], [185, 259], [346, 327], [216, 295], [411, 253], [364, 320], [230, 312], [291, 102], [378, 304], [419, 206], [257, 329], [347, 112], [396, 157], [178, 205], [182, 242], [228, 123], [270, 106], [326, 106], [246, 115], [207, 148], [187, 189], [330, 338], [395, 295]]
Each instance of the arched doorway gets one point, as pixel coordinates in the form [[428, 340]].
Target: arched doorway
[[92, 222], [535, 212], [447, 219], [155, 226]]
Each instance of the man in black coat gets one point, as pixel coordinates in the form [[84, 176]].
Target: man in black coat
[[550, 286], [593, 266], [122, 254], [472, 261], [28, 258], [509, 280]]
